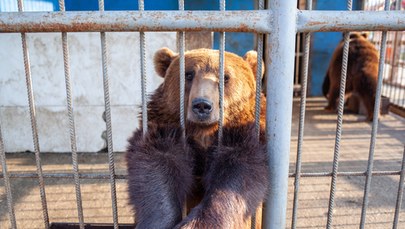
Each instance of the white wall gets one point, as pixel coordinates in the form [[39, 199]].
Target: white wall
[[46, 60]]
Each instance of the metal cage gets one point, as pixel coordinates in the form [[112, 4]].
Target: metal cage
[[279, 19]]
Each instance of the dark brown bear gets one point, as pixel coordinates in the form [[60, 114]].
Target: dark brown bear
[[362, 74], [223, 186]]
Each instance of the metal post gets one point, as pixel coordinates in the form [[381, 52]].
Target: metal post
[[280, 81]]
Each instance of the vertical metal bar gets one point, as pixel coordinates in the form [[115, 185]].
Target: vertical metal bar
[[34, 128], [280, 82], [297, 58], [181, 47], [307, 40], [258, 93], [400, 193], [71, 122], [7, 185], [259, 75], [142, 44], [104, 56], [396, 55], [374, 125], [339, 124], [221, 77], [402, 77], [391, 82]]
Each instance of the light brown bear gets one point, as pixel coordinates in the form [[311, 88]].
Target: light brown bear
[[362, 74], [223, 186]]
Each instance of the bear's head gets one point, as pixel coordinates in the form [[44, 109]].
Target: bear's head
[[202, 85]]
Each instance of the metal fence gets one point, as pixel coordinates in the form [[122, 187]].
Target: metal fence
[[394, 68], [279, 20]]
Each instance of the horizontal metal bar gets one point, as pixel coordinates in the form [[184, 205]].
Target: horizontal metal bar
[[107, 21], [123, 177], [65, 175], [347, 174], [236, 21], [312, 21]]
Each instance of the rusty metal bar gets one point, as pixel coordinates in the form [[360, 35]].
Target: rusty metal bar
[[221, 77], [94, 21], [260, 38], [322, 21], [7, 185], [339, 124], [106, 176], [72, 127], [104, 59], [370, 162], [181, 46], [34, 127], [237, 21], [142, 47], [307, 43]]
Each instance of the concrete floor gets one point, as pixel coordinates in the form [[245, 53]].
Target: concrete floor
[[317, 156]]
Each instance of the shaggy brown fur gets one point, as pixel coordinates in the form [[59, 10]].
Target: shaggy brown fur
[[223, 187], [362, 73]]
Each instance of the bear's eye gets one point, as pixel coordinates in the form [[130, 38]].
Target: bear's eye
[[226, 78], [189, 75]]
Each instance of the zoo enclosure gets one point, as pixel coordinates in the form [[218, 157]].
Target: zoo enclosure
[[275, 22]]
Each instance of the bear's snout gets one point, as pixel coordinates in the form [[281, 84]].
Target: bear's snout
[[202, 108]]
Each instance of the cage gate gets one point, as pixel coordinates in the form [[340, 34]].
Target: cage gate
[[278, 22]]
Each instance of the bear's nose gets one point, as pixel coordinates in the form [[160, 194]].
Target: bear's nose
[[202, 107]]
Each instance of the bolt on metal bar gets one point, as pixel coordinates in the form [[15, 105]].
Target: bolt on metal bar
[[280, 81], [374, 128], [72, 127], [259, 73], [339, 124], [400, 193], [307, 42], [7, 185], [104, 58], [221, 78], [34, 128], [142, 44]]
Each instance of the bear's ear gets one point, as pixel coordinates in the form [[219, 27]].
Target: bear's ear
[[162, 59], [251, 58], [365, 34]]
